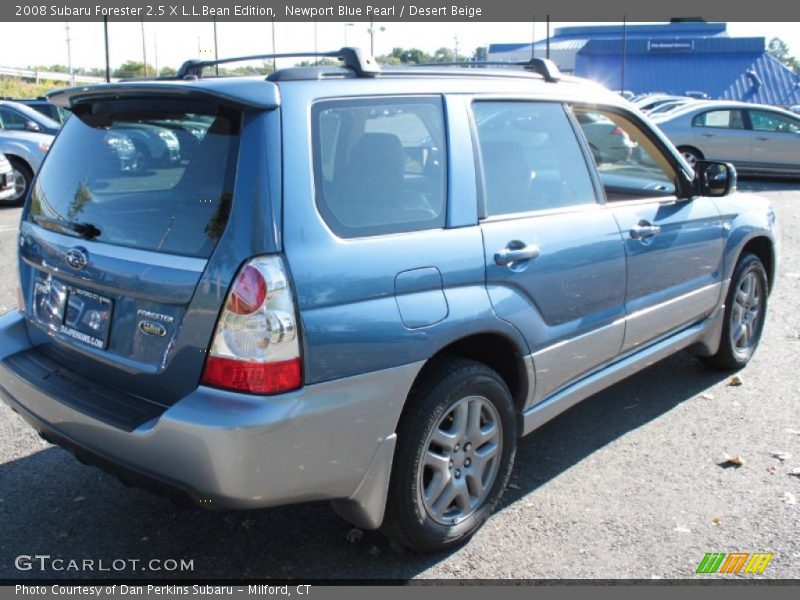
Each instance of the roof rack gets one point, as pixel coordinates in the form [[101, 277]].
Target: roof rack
[[543, 66], [353, 58]]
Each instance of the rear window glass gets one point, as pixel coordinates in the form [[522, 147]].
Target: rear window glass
[[126, 173], [379, 165]]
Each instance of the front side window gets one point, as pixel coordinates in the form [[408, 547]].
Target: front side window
[[531, 159], [762, 120], [380, 165], [12, 120], [720, 119], [628, 161]]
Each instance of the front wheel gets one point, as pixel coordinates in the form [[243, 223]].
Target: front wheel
[[456, 446], [691, 156], [745, 311], [23, 176]]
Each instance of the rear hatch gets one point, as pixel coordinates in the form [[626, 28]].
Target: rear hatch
[[117, 236]]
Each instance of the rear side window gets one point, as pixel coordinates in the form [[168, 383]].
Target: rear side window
[[154, 175], [531, 158], [720, 119], [380, 165]]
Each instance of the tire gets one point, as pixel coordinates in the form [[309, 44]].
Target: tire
[[141, 159], [692, 155], [745, 311], [418, 512], [23, 176]]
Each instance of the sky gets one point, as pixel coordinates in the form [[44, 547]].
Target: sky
[[24, 44]]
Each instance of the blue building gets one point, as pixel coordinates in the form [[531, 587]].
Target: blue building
[[673, 58]]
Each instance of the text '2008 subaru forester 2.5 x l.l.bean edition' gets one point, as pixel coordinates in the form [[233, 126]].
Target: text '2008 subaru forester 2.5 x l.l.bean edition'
[[363, 285]]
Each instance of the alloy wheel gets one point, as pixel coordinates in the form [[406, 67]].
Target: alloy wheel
[[746, 314], [461, 459]]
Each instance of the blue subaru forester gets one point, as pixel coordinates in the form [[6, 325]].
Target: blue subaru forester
[[363, 285]]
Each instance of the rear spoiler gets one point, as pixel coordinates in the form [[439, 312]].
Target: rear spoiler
[[244, 93]]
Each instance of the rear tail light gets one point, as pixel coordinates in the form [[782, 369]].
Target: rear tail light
[[255, 347], [617, 131]]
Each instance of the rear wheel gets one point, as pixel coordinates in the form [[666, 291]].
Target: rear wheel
[[745, 310], [456, 446], [23, 176], [691, 155]]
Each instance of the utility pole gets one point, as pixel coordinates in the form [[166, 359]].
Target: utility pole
[[533, 37], [547, 51], [624, 52], [69, 56], [372, 36], [274, 60], [108, 62], [155, 51], [346, 25], [455, 48], [144, 50], [216, 49]]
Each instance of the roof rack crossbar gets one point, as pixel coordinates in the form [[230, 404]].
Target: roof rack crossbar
[[543, 66], [363, 64]]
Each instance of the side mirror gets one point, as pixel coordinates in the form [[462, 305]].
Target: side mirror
[[32, 126], [714, 179]]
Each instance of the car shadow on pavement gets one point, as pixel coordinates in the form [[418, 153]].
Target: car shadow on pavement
[[52, 505]]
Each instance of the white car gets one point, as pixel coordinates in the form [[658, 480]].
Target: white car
[[756, 138], [25, 152]]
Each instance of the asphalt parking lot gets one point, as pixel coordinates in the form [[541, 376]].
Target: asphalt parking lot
[[625, 485]]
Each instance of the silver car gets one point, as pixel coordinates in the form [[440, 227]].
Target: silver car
[[25, 151], [756, 138], [7, 190]]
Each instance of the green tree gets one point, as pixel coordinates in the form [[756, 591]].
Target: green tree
[[480, 54], [780, 50], [410, 56], [443, 55], [133, 68], [168, 72]]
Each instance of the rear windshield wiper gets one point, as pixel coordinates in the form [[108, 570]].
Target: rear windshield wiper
[[84, 230]]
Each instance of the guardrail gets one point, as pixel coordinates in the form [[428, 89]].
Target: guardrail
[[38, 76]]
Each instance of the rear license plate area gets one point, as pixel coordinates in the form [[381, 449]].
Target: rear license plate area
[[72, 312]]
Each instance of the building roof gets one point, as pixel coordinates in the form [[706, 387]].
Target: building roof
[[729, 69]]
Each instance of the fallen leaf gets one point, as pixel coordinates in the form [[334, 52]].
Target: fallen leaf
[[789, 498], [795, 472], [375, 551], [682, 530], [716, 521], [793, 431], [781, 456], [354, 535], [79, 499], [514, 486], [731, 461], [707, 396], [145, 539], [735, 380]]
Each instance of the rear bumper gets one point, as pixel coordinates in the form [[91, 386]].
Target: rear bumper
[[229, 450]]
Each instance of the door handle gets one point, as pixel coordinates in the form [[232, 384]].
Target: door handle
[[762, 139], [516, 252], [644, 230], [709, 135]]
